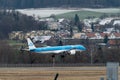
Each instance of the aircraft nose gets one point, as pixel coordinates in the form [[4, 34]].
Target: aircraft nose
[[83, 48]]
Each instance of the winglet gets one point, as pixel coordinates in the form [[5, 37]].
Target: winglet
[[30, 44]]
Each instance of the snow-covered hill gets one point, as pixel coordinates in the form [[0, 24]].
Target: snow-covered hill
[[46, 12]]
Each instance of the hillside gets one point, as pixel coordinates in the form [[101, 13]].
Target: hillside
[[69, 13], [81, 14], [89, 12]]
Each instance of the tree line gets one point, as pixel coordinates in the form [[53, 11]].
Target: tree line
[[11, 20], [58, 3], [10, 55]]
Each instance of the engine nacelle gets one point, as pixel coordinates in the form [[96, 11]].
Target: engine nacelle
[[72, 52]]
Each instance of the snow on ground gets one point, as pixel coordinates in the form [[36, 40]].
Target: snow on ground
[[88, 22], [105, 21], [116, 22], [44, 12]]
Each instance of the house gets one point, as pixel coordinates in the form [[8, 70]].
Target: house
[[117, 35], [114, 43], [19, 35], [111, 36], [103, 35], [53, 25], [116, 22], [79, 36], [16, 35], [105, 21], [63, 34], [91, 35]]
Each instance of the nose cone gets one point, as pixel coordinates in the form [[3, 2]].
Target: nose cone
[[83, 48]]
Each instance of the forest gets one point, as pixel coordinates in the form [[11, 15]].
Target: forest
[[15, 4], [11, 20]]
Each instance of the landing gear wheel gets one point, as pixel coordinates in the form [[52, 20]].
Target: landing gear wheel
[[62, 56], [53, 56]]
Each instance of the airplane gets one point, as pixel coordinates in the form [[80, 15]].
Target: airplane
[[54, 49]]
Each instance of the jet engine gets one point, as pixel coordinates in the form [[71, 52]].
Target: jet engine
[[72, 52]]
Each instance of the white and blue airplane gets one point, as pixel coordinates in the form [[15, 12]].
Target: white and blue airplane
[[71, 49]]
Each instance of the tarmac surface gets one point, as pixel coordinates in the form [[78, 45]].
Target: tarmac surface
[[54, 68], [48, 73]]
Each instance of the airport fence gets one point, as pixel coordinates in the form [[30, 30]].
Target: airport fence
[[51, 65]]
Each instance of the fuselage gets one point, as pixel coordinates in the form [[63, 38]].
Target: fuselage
[[58, 49]]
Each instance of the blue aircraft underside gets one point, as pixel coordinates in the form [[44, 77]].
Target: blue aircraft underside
[[58, 49]]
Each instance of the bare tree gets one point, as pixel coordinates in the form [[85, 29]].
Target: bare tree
[[7, 54]]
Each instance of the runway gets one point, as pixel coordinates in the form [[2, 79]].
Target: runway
[[54, 68], [48, 73]]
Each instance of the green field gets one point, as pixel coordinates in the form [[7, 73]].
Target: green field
[[15, 43], [83, 14]]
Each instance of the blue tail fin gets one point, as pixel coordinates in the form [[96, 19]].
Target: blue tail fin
[[31, 46]]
